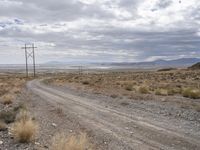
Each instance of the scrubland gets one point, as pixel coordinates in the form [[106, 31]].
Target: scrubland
[[19, 127], [173, 94], [151, 85], [12, 112]]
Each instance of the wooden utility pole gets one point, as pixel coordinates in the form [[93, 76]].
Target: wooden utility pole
[[30, 54]]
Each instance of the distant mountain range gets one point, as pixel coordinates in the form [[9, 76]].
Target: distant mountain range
[[183, 62], [160, 63]]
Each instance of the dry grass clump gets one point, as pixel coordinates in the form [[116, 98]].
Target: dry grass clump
[[7, 116], [7, 99], [161, 92], [143, 90], [114, 95], [129, 88], [173, 91], [73, 142], [191, 93], [3, 126], [16, 90], [24, 130], [23, 115], [19, 107]]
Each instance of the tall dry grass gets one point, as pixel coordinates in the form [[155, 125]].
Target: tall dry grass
[[73, 142], [24, 131], [23, 115]]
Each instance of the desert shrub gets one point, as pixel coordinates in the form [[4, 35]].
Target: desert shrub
[[143, 90], [3, 91], [19, 107], [16, 90], [7, 116], [161, 92], [177, 90], [114, 95], [73, 142], [7, 99], [24, 130], [171, 92], [129, 88], [86, 82], [3, 126], [191, 93], [23, 115]]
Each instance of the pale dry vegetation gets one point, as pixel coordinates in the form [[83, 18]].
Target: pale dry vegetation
[[148, 85], [7, 99], [191, 93], [23, 115], [24, 130], [23, 127], [143, 90], [126, 83], [72, 142], [162, 92], [10, 86]]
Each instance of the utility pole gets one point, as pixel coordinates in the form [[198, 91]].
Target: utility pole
[[33, 47], [26, 61], [30, 54], [80, 70]]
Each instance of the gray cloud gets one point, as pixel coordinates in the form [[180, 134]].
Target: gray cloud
[[164, 3], [99, 30]]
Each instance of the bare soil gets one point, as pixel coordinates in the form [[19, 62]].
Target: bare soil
[[113, 117], [122, 123]]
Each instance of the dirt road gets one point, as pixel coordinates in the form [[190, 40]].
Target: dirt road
[[126, 129]]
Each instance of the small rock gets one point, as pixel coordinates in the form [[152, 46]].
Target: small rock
[[54, 125], [37, 143], [1, 142], [126, 128], [163, 100], [70, 131]]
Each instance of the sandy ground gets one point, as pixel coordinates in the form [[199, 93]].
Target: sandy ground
[[110, 123]]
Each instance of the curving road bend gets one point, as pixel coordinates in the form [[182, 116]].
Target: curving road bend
[[128, 131]]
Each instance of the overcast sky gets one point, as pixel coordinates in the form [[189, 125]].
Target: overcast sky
[[100, 30]]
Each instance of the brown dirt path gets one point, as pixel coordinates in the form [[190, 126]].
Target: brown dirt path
[[126, 130]]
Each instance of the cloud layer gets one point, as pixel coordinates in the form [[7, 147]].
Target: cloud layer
[[100, 30]]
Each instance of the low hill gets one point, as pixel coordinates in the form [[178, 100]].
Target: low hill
[[195, 66]]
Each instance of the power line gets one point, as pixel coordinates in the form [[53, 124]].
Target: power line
[[30, 54]]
